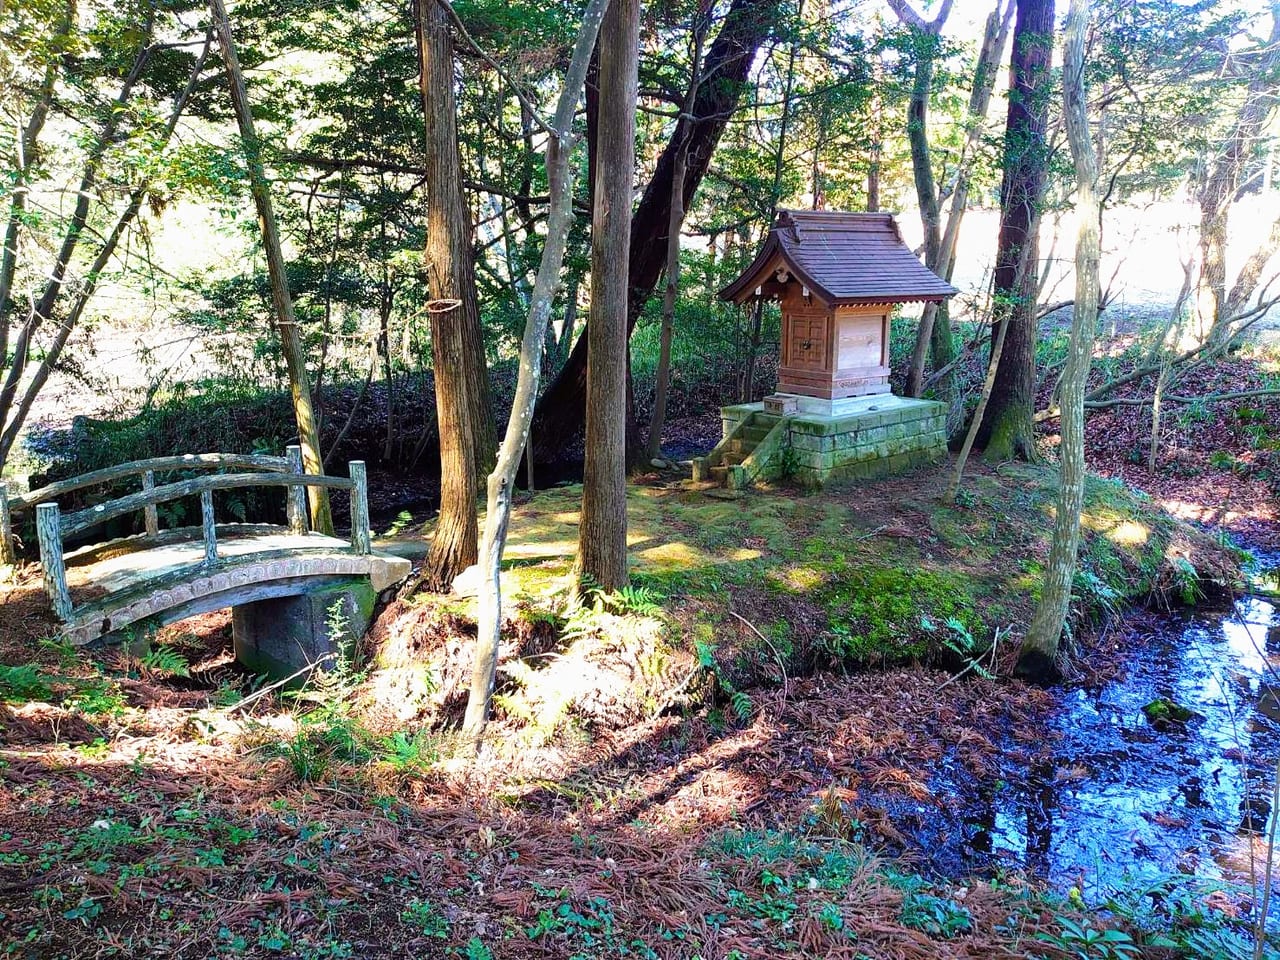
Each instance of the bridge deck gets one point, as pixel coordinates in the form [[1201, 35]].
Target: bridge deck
[[165, 578]]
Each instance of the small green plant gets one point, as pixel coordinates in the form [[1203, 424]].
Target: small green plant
[[739, 701], [97, 698], [963, 644], [426, 917], [1081, 940], [1096, 594], [936, 916], [405, 753], [1223, 460], [166, 662], [306, 757], [337, 626], [476, 950], [1186, 581], [23, 683]]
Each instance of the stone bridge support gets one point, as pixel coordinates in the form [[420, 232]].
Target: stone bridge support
[[280, 636]]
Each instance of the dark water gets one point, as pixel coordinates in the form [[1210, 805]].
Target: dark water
[[1112, 800]]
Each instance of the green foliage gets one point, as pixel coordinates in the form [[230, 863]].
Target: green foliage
[[166, 662], [426, 917], [957, 638], [739, 701], [1094, 594], [23, 683], [935, 916], [1080, 940], [409, 754]]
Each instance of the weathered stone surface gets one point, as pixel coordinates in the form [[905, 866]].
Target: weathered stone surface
[[282, 635]]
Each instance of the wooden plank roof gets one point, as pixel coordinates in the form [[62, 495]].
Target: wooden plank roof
[[843, 258]]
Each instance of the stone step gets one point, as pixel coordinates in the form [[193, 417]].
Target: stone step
[[734, 457], [754, 434], [741, 446], [719, 474]]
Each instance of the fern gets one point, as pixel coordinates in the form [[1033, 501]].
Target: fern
[[166, 662], [23, 683]]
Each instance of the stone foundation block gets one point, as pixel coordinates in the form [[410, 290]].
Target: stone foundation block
[[282, 635]]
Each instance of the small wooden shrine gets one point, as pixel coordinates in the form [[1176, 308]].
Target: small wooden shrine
[[838, 278]]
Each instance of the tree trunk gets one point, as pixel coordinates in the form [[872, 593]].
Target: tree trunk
[[662, 388], [602, 540], [1007, 429], [43, 308], [286, 324], [724, 75], [1223, 180], [502, 480], [934, 337], [926, 186], [1040, 648], [457, 347]]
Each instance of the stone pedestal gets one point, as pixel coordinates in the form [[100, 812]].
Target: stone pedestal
[[281, 635], [851, 438]]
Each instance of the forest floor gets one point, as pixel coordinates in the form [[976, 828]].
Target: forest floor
[[730, 760]]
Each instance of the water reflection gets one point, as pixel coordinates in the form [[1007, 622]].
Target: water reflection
[[1116, 799]]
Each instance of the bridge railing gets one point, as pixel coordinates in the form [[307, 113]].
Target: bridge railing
[[13, 505], [52, 526]]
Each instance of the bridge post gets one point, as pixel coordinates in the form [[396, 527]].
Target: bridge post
[[49, 534], [7, 552], [361, 542], [296, 499], [207, 525], [150, 514]]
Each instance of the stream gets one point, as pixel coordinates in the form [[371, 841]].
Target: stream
[[1118, 799]]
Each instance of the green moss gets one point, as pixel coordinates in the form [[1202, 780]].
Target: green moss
[[877, 611], [1163, 713]]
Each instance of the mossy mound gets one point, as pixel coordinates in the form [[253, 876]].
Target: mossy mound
[[1166, 714], [777, 583]]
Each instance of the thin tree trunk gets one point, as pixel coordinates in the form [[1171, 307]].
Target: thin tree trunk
[[602, 539], [1007, 429], [282, 303], [725, 72], [27, 144], [43, 308], [565, 343], [663, 386], [502, 480], [667, 333], [457, 349], [1223, 180], [14, 423], [934, 333], [993, 365], [1039, 654]]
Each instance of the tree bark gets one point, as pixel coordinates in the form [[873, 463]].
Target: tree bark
[[1007, 430], [934, 336], [602, 539], [672, 289], [286, 324], [1039, 654], [502, 480], [1223, 180], [457, 346], [724, 75]]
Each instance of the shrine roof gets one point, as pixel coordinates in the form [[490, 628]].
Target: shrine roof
[[843, 258]]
